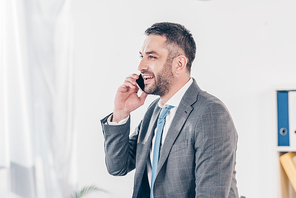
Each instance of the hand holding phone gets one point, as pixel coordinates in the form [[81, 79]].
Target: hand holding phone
[[127, 99]]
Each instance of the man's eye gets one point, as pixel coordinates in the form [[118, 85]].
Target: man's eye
[[152, 57], [141, 56]]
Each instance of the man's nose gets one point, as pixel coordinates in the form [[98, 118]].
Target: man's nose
[[142, 65]]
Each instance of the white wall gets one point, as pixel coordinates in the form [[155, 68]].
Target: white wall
[[245, 50]]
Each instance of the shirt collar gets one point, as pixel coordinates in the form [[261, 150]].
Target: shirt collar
[[177, 97]]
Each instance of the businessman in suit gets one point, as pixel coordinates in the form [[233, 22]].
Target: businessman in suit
[[185, 145]]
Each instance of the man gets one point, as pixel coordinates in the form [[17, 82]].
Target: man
[[185, 145]]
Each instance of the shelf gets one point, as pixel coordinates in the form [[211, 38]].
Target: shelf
[[285, 149], [285, 88]]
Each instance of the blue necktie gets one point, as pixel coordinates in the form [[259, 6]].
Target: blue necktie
[[157, 141]]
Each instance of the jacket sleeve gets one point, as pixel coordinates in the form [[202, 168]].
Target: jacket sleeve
[[215, 146], [120, 149]]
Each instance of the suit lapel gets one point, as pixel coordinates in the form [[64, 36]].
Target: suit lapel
[[182, 113]]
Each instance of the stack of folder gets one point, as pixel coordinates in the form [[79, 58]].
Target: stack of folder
[[286, 107], [286, 113], [288, 162]]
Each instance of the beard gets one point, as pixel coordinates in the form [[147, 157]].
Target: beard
[[162, 81]]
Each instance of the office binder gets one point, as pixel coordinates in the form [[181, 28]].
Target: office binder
[[283, 118], [288, 162], [292, 118]]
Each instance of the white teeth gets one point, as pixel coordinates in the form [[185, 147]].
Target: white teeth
[[148, 77]]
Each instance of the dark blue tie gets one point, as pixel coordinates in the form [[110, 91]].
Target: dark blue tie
[[157, 141]]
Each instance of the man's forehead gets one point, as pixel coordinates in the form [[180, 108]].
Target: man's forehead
[[153, 43]]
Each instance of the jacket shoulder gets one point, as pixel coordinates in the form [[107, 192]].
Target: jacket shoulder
[[206, 101]]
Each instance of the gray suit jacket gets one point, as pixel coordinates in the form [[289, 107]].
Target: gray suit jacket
[[197, 158]]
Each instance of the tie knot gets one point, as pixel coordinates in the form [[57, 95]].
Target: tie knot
[[164, 112]]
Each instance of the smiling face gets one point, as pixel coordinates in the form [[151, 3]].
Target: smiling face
[[155, 66]]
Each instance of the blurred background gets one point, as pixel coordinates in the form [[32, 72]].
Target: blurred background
[[61, 62]]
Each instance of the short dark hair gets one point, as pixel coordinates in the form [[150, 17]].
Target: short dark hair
[[176, 34]]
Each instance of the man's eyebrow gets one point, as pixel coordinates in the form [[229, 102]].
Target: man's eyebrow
[[150, 52]]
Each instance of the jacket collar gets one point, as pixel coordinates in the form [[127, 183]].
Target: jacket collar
[[182, 113]]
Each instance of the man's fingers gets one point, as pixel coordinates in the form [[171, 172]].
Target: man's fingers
[[130, 84], [131, 80], [135, 76]]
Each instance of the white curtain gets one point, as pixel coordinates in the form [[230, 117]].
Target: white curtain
[[37, 143]]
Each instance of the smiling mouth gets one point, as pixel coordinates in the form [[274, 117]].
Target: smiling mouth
[[147, 77]]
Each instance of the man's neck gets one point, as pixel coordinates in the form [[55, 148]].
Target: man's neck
[[174, 89]]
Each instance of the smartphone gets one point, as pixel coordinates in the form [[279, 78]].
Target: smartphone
[[140, 82]]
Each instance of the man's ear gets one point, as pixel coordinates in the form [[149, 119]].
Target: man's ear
[[180, 63]]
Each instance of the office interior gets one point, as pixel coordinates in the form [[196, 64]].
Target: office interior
[[63, 60]]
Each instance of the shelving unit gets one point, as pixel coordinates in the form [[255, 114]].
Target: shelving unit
[[286, 190]]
